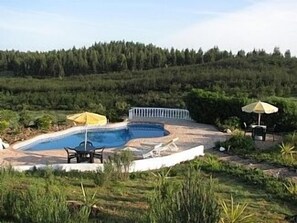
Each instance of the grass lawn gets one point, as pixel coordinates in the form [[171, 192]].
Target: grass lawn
[[262, 205], [127, 200]]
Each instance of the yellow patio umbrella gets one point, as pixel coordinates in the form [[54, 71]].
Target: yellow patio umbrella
[[87, 118], [260, 108]]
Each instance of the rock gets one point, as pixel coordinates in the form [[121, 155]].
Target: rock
[[228, 131], [222, 149]]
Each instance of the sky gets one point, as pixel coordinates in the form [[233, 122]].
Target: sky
[[42, 25]]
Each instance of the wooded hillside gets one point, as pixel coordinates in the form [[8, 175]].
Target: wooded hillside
[[254, 75]]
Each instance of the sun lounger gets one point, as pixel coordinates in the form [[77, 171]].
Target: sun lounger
[[145, 151], [153, 149], [153, 152], [156, 149], [170, 145]]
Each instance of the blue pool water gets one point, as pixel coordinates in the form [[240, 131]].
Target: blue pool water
[[108, 138]]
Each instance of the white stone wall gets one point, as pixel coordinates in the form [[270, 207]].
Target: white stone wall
[[136, 166]]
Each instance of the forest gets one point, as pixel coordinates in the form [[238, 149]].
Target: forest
[[119, 56], [96, 79]]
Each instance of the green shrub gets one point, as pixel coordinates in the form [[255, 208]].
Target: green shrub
[[194, 201], [39, 205], [27, 119], [102, 178], [44, 122], [209, 107], [36, 206], [239, 144], [122, 161], [3, 125], [11, 117], [231, 123], [291, 138]]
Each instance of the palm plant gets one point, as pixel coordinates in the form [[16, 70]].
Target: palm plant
[[287, 150], [234, 213], [291, 187]]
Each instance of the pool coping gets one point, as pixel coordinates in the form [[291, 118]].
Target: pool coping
[[191, 135], [75, 129]]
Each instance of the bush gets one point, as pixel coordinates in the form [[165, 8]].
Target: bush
[[102, 178], [239, 144], [122, 161], [3, 125], [208, 107], [27, 119], [38, 205], [291, 138], [44, 122], [193, 201], [231, 123], [11, 117]]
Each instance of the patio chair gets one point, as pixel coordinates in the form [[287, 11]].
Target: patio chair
[[89, 143], [98, 153], [271, 130], [71, 154], [246, 128], [259, 133]]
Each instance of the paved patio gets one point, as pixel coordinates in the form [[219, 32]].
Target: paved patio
[[190, 134]]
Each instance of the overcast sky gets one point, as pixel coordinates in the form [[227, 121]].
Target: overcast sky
[[229, 24]]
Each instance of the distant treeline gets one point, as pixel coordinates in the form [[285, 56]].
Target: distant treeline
[[122, 56], [115, 92]]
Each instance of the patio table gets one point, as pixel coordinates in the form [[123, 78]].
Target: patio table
[[259, 132], [262, 126], [85, 153]]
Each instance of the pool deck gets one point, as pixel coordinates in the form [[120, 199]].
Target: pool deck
[[190, 134]]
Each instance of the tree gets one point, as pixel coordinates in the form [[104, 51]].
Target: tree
[[241, 53], [288, 54], [276, 52], [172, 57], [93, 64]]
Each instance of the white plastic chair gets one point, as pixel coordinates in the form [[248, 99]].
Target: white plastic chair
[[156, 149], [153, 152]]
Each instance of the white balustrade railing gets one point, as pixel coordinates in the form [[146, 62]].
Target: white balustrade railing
[[174, 113]]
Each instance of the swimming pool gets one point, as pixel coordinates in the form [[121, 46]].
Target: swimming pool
[[109, 138]]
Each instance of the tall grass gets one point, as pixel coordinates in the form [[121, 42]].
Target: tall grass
[[116, 168], [37, 205], [191, 202]]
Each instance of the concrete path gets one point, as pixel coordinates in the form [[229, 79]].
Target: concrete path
[[278, 172]]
